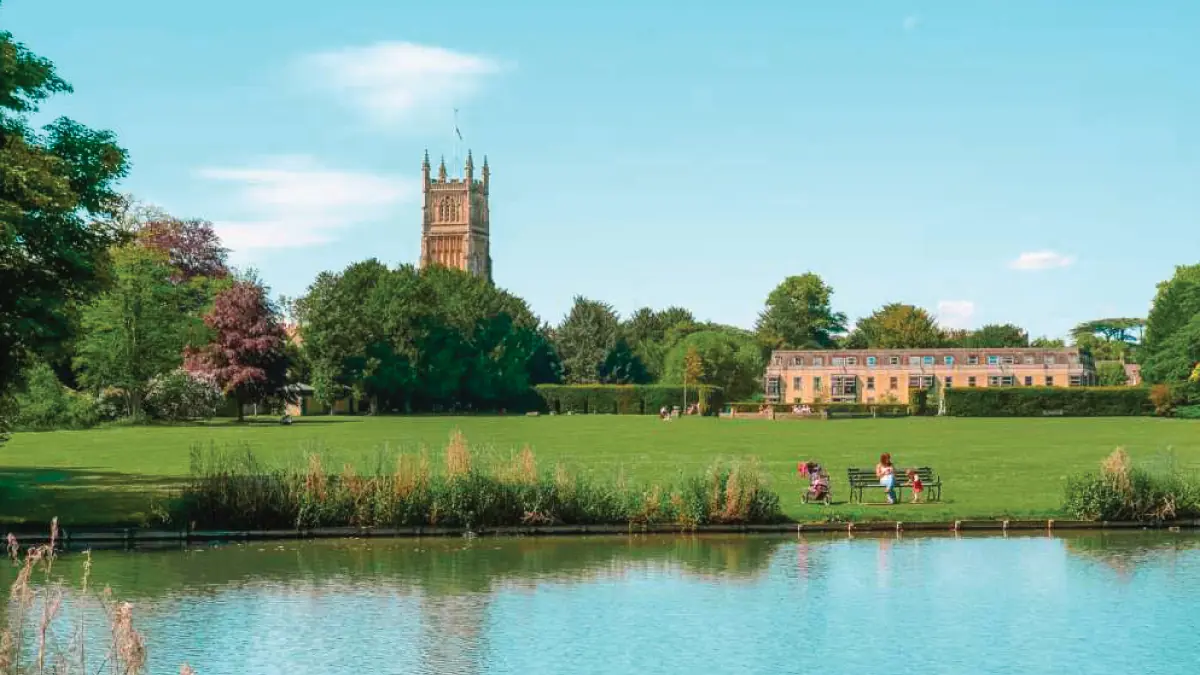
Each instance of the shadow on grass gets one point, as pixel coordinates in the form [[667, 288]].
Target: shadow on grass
[[31, 496]]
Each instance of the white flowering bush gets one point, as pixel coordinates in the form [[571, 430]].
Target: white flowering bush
[[182, 395]]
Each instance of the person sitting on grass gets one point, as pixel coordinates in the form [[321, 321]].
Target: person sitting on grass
[[914, 481], [818, 481], [886, 473]]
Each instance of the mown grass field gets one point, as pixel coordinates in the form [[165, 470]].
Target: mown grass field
[[990, 467]]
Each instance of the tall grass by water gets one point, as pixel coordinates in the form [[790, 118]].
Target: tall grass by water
[[461, 488], [32, 642], [1121, 490]]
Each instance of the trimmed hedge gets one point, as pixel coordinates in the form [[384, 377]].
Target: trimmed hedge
[[624, 399], [1048, 401], [785, 408]]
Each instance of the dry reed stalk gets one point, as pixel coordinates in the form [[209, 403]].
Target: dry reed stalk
[[1116, 467], [128, 646], [50, 607], [185, 669], [314, 480], [14, 549], [714, 489], [527, 466], [458, 456], [734, 506], [412, 474], [7, 652]]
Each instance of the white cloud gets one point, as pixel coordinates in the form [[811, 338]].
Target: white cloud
[[294, 201], [955, 313], [911, 22], [1041, 260], [395, 81]]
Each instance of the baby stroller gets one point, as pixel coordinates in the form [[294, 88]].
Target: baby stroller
[[818, 483]]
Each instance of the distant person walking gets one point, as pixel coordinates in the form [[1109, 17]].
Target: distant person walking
[[886, 473]]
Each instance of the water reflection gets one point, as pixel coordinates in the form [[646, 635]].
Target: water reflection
[[610, 604]]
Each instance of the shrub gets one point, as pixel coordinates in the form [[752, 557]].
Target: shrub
[[1188, 412], [1162, 398], [622, 399], [233, 490], [1121, 491], [46, 404], [1040, 401], [918, 401], [181, 395], [111, 403]]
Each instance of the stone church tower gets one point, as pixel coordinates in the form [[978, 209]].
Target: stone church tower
[[455, 227]]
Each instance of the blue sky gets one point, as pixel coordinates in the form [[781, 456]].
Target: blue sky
[[1021, 161]]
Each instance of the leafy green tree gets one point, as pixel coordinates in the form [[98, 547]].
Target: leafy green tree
[[585, 338], [1111, 374], [1175, 304], [45, 404], [56, 192], [798, 315], [622, 366], [134, 330], [731, 359], [1047, 343], [899, 326], [993, 336], [1174, 360], [652, 333], [1127, 330]]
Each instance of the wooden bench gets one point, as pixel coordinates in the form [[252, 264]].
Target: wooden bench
[[861, 479]]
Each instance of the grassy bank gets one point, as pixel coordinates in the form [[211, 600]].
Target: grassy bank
[[990, 467]]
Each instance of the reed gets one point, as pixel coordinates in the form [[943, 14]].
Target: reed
[[232, 490], [29, 644]]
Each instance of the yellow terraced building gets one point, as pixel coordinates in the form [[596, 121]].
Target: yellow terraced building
[[886, 375]]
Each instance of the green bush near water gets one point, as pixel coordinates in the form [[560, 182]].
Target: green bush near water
[[1121, 491], [1043, 401], [236, 491], [620, 399]]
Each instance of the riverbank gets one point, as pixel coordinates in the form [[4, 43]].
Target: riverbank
[[134, 537]]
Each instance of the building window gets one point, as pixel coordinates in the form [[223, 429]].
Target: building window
[[797, 360], [818, 360], [871, 361], [971, 381], [837, 361], [1028, 360], [778, 360], [1049, 380], [927, 360], [797, 383], [845, 387], [1074, 358], [893, 383], [816, 384], [914, 360], [1049, 360], [993, 360], [973, 360], [948, 360], [870, 384], [949, 382], [852, 360], [1006, 360], [893, 360], [1076, 380], [920, 382], [1028, 380], [1000, 381]]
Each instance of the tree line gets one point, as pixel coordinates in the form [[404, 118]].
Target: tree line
[[112, 308]]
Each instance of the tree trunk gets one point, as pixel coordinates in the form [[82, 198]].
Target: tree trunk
[[240, 407]]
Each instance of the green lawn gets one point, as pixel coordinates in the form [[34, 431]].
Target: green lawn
[[990, 467]]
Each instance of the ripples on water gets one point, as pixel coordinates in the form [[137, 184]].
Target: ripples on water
[[1095, 603]]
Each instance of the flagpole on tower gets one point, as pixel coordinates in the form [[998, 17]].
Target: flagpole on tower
[[457, 142]]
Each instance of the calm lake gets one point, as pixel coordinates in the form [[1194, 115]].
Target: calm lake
[[1121, 602]]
